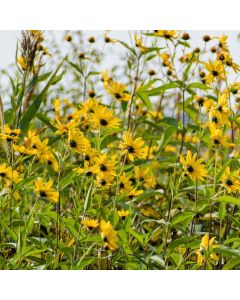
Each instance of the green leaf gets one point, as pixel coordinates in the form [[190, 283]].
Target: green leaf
[[226, 251], [83, 263], [128, 47], [23, 182], [147, 195], [88, 199], [93, 74], [124, 105], [161, 89], [198, 85], [45, 120], [76, 67], [232, 263], [137, 236], [185, 74], [145, 99], [33, 109], [222, 210], [183, 217], [68, 179], [229, 199], [166, 136]]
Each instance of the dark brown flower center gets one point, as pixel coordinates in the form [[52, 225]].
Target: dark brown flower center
[[73, 144], [130, 149], [229, 182], [117, 95], [189, 168], [215, 73], [42, 194], [103, 168], [103, 122]]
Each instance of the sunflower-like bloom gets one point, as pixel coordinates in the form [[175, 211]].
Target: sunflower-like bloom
[[123, 213], [222, 108], [206, 250], [219, 138], [133, 148], [10, 135], [6, 172], [125, 184], [103, 118], [138, 42], [104, 180], [118, 90], [145, 176], [134, 192], [230, 181], [166, 60], [216, 71], [89, 107], [103, 164], [108, 39], [193, 167], [63, 128], [167, 34], [223, 42], [77, 141], [90, 223], [109, 235], [45, 190], [204, 102]]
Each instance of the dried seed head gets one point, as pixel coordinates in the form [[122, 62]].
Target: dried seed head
[[206, 38]]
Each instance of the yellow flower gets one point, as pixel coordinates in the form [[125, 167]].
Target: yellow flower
[[108, 39], [193, 167], [133, 148], [89, 107], [109, 235], [145, 176], [63, 128], [222, 110], [103, 118], [77, 141], [103, 164], [133, 193], [104, 179], [223, 42], [22, 62], [167, 34], [56, 105], [123, 213], [219, 139], [206, 250], [230, 181], [10, 134], [216, 71], [138, 42], [118, 90], [125, 184], [45, 190], [6, 172], [90, 223]]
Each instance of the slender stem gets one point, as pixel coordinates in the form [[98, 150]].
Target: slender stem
[[133, 93], [183, 124]]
